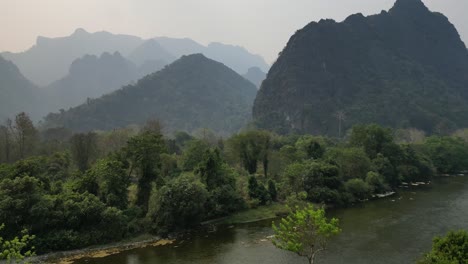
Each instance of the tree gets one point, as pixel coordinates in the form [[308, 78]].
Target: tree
[[448, 154], [83, 149], [143, 152], [6, 134], [16, 249], [305, 232], [451, 249], [26, 134], [258, 191], [178, 205], [250, 148], [112, 181], [373, 138]]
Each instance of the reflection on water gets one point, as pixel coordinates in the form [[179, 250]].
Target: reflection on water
[[395, 230]]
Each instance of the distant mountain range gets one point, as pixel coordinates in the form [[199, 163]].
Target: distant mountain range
[[92, 77], [48, 60], [193, 92], [255, 75], [17, 93], [403, 68]]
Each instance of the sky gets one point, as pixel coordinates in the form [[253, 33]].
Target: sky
[[261, 26]]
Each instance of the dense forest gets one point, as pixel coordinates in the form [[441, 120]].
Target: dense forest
[[74, 190], [402, 68]]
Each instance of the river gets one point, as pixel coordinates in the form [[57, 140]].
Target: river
[[394, 230]]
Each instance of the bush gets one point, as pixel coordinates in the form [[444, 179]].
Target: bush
[[359, 189]]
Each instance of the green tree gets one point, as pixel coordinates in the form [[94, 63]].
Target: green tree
[[112, 181], [373, 138], [448, 154], [26, 134], [83, 149], [451, 249], [359, 189], [250, 148], [192, 154], [311, 147], [258, 191], [178, 205], [305, 232], [144, 152], [352, 162], [322, 182], [16, 249]]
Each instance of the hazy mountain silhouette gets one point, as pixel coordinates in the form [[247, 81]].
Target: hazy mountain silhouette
[[91, 77], [150, 50], [404, 68], [255, 75], [18, 94], [193, 92], [50, 58], [235, 57]]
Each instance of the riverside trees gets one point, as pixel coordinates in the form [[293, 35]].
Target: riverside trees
[[147, 182]]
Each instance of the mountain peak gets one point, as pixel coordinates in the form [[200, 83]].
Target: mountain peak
[[80, 31], [409, 7]]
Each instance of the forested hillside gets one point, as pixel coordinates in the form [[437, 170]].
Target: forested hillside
[[192, 93], [403, 68]]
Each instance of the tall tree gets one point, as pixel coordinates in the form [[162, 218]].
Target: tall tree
[[252, 147], [305, 232], [83, 149], [26, 134], [143, 152], [6, 134]]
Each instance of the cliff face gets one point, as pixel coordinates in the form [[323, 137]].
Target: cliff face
[[403, 68]]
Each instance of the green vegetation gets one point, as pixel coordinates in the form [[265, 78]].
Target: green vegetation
[[75, 190], [451, 249], [16, 249], [305, 232]]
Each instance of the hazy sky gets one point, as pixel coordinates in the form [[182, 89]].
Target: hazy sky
[[261, 26]]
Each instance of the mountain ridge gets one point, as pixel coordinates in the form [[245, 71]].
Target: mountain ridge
[[361, 66]]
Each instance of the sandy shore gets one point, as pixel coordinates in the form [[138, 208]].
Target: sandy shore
[[69, 257]]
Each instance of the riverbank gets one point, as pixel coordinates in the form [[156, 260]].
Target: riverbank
[[254, 215], [101, 251]]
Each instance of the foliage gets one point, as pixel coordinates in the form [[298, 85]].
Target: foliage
[[451, 249], [448, 154], [143, 151], [178, 205], [16, 249], [305, 232]]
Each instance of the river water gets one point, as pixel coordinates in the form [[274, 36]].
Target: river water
[[394, 230]]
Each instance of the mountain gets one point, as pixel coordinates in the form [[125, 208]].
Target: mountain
[[255, 75], [150, 50], [49, 59], [235, 57], [403, 68], [18, 93], [193, 92], [91, 77]]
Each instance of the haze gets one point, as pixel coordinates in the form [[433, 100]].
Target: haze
[[261, 26]]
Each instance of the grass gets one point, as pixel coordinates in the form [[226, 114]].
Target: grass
[[257, 214]]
